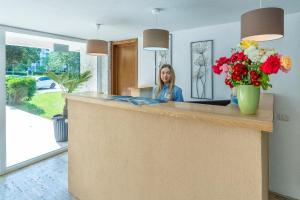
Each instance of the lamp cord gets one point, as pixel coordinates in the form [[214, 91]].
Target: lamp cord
[[156, 20], [98, 28]]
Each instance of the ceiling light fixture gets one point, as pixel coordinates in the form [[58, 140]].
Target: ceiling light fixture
[[156, 39], [262, 24], [96, 47]]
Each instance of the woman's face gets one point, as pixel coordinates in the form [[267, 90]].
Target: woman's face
[[165, 75]]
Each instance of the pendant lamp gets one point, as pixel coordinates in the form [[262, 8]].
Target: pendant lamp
[[96, 47], [262, 24], [156, 39]]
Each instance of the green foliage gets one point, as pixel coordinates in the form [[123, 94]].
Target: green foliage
[[265, 81], [19, 89], [44, 105], [40, 70], [30, 55], [64, 62], [18, 59], [68, 82], [24, 55], [16, 73], [21, 68], [13, 54]]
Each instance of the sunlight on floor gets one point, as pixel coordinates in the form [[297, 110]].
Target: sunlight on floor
[[28, 136]]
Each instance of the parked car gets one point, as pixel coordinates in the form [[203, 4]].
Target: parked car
[[45, 82]]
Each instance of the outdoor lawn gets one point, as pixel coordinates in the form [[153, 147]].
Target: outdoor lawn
[[44, 104]]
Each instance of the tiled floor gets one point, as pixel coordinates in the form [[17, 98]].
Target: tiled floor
[[46, 180], [28, 136]]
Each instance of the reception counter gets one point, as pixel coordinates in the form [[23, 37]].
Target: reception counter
[[169, 151]]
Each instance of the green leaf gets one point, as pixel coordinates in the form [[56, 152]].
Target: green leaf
[[68, 82]]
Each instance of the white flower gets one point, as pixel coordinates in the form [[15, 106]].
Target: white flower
[[271, 52], [265, 53], [253, 53], [264, 58]]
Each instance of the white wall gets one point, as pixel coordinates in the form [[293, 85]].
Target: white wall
[[224, 38], [146, 66], [285, 141], [182, 58], [88, 62], [103, 74]]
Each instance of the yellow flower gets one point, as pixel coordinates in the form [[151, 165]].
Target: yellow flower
[[247, 43], [286, 62]]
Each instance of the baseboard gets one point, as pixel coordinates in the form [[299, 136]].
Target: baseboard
[[35, 160], [276, 196]]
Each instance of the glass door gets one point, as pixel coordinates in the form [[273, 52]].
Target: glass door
[[2, 103], [30, 98]]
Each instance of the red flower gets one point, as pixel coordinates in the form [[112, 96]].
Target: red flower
[[217, 69], [254, 76], [234, 57], [241, 56], [244, 71], [223, 60], [236, 77], [271, 65], [256, 83], [253, 73], [238, 67], [228, 82], [238, 56]]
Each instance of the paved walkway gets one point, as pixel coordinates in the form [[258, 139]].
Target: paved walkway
[[28, 136]]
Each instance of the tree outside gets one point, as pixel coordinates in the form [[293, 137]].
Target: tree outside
[[64, 62], [19, 59], [28, 61]]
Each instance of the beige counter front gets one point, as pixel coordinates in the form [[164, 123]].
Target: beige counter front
[[172, 151]]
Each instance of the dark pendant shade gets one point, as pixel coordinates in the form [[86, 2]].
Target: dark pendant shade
[[96, 47], [156, 39], [262, 24]]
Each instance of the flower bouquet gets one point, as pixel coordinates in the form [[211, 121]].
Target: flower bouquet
[[248, 69]]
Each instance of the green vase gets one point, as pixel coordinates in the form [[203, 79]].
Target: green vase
[[248, 99]]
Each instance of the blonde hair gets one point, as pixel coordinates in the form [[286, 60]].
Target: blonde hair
[[161, 83]]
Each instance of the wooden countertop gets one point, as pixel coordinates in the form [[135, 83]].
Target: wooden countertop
[[225, 115]]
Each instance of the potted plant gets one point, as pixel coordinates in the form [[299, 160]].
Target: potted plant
[[248, 68], [68, 82]]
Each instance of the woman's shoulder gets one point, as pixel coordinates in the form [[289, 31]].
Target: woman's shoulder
[[177, 94], [177, 88]]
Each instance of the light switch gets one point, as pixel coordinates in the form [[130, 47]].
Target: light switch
[[283, 117]]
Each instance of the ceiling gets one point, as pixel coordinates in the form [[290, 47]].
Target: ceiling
[[124, 19]]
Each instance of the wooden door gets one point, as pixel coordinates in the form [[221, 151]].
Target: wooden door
[[124, 66]]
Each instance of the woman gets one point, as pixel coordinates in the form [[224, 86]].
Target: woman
[[166, 89]]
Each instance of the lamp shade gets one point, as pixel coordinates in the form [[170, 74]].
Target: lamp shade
[[262, 24], [96, 47], [156, 39]]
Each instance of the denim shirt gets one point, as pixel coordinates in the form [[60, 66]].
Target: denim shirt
[[163, 95]]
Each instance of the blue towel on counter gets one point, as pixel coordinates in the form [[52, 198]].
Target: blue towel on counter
[[137, 100]]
